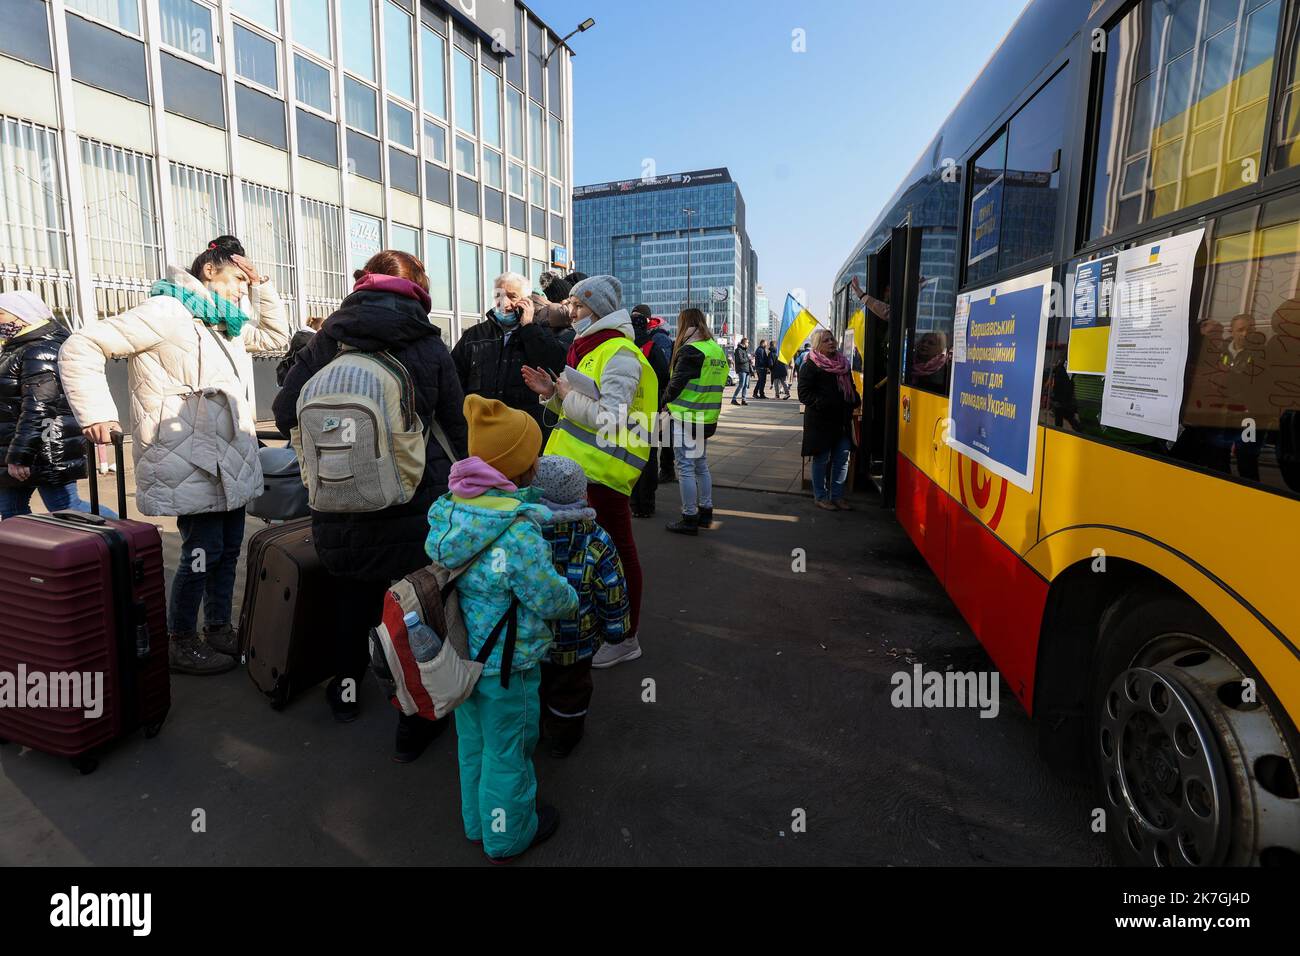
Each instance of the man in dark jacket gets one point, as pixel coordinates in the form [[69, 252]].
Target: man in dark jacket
[[643, 492], [744, 365], [659, 332], [762, 364], [491, 355], [41, 448], [367, 551]]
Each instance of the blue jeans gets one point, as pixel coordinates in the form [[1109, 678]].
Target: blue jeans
[[742, 384], [210, 546], [693, 478], [18, 501], [837, 471]]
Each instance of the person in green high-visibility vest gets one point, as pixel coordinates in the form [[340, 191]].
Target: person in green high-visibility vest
[[693, 400], [608, 428]]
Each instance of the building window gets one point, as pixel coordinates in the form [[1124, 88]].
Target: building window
[[519, 265], [536, 136], [190, 90], [265, 12], [398, 71], [324, 284], [465, 161], [554, 99], [557, 149], [491, 108], [437, 266], [518, 214], [403, 171], [401, 125], [492, 168], [107, 60], [405, 239], [516, 179], [255, 58], [268, 235], [318, 138], [467, 195], [494, 205], [435, 142], [537, 188], [261, 117], [365, 238], [200, 209], [463, 89], [313, 84], [187, 26], [437, 184], [358, 26], [468, 284], [1182, 108], [515, 63], [364, 156], [27, 32], [536, 50], [123, 14], [433, 81], [539, 222], [311, 26], [121, 224], [359, 107], [557, 197], [515, 121], [494, 265], [34, 242]]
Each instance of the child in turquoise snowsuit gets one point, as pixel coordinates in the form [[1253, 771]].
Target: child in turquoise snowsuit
[[491, 523]]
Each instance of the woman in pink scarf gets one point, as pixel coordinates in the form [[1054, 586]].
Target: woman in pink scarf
[[829, 397]]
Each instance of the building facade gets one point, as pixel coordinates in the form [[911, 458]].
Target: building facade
[[656, 232], [762, 327], [317, 131]]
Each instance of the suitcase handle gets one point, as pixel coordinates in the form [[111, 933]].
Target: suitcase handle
[[80, 517], [116, 438]]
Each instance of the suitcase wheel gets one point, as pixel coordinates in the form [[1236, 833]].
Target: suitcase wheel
[[85, 764]]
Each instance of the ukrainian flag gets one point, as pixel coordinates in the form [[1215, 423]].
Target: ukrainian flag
[[797, 324], [858, 360]]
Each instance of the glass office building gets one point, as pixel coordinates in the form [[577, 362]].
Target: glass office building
[[317, 131], [640, 231]]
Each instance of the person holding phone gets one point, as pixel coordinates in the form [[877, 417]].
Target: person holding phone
[[490, 356]]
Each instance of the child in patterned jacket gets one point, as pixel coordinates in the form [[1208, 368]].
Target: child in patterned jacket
[[489, 524], [585, 554]]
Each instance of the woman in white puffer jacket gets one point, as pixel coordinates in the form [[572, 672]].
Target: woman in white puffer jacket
[[192, 421]]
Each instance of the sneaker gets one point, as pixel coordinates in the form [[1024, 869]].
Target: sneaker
[[610, 654], [414, 734], [102, 468], [743, 402], [187, 654], [734, 402], [548, 821], [223, 639], [344, 711], [705, 517], [686, 524]]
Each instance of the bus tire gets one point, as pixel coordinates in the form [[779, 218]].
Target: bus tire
[[1194, 760]]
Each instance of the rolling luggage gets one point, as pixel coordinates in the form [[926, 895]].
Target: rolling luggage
[[289, 611], [83, 625]]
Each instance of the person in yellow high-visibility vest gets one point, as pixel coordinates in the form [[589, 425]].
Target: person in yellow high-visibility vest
[[693, 400], [606, 429]]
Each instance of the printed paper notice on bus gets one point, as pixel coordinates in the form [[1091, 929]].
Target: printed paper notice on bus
[[1147, 352]]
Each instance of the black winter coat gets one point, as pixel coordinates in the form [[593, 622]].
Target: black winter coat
[[30, 395], [384, 545], [743, 363], [491, 367], [827, 416]]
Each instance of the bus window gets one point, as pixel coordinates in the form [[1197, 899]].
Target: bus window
[[1182, 110], [1286, 148], [929, 350], [1241, 411], [985, 211]]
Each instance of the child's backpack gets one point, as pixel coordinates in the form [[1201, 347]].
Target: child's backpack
[[359, 441], [436, 687]]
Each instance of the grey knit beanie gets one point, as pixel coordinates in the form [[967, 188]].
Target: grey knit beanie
[[560, 481], [601, 294]]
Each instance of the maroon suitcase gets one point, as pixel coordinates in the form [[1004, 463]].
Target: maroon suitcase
[[81, 594]]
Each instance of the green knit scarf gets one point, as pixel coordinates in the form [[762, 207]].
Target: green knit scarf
[[213, 309]]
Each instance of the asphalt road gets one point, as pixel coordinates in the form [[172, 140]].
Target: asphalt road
[[772, 696]]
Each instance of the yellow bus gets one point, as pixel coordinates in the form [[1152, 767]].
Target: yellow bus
[[1113, 504]]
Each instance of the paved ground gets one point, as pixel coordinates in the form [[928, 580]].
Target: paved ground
[[772, 695]]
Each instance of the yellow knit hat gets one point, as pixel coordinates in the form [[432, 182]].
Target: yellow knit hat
[[505, 438]]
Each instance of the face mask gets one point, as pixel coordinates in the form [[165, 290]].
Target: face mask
[[507, 320], [582, 325], [9, 329]]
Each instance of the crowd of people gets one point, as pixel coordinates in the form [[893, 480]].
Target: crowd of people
[[543, 443]]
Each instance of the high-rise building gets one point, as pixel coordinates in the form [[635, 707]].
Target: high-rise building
[[317, 131], [761, 328], [655, 233]]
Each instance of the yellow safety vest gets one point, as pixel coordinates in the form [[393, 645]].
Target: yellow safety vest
[[701, 400], [614, 453]]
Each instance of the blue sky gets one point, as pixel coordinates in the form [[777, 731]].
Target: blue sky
[[818, 140]]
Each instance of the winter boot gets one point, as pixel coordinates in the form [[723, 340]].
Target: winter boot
[[686, 524], [705, 517]]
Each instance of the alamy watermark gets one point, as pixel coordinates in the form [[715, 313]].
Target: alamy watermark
[[53, 690], [947, 689]]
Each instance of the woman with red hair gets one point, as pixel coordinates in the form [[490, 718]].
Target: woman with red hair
[[387, 311]]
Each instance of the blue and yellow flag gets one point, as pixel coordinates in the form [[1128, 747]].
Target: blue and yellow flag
[[797, 324], [858, 326]]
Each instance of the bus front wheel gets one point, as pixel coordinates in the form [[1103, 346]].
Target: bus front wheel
[[1195, 762]]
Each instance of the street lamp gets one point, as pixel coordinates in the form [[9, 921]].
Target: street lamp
[[689, 212], [583, 27]]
